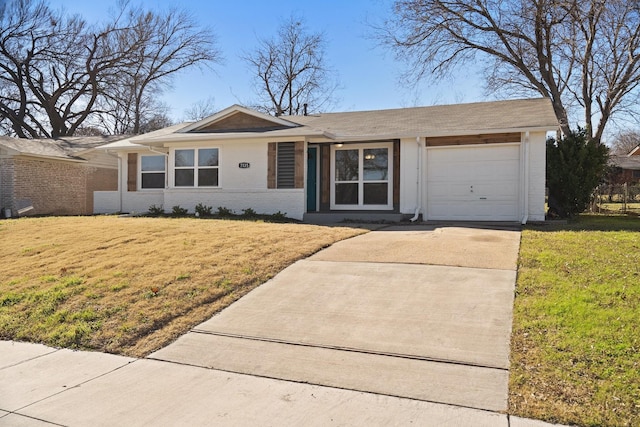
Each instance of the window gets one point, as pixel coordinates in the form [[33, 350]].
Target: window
[[361, 177], [152, 171], [196, 167]]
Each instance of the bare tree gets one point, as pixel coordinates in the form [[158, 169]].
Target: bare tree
[[58, 74], [291, 71], [625, 141], [583, 55], [172, 42], [201, 109]]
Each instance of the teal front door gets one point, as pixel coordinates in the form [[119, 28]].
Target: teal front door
[[312, 179]]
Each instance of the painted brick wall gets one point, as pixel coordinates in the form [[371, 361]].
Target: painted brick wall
[[289, 201]]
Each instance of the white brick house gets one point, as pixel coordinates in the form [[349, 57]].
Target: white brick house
[[479, 162]]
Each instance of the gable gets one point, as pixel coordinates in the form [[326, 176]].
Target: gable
[[239, 122]]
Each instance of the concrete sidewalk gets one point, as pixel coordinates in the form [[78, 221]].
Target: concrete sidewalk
[[406, 325], [42, 386]]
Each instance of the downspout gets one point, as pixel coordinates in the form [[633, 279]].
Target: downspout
[[525, 217], [419, 182]]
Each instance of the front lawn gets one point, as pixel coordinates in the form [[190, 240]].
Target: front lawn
[[132, 285], [575, 350]]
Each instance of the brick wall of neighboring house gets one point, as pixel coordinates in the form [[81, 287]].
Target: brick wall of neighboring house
[[52, 187], [629, 176], [6, 183]]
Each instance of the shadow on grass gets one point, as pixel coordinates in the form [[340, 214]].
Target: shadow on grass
[[591, 222]]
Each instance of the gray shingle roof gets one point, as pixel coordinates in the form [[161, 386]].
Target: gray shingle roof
[[625, 162], [435, 120], [442, 120], [69, 148]]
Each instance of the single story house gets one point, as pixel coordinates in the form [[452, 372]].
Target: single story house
[[54, 176], [626, 168], [473, 162]]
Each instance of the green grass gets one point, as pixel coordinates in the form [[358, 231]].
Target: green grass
[[576, 339]]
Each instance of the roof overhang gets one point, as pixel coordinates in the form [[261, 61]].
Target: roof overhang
[[281, 136], [432, 134], [54, 158]]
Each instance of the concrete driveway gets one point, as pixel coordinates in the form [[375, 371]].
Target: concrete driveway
[[420, 312]]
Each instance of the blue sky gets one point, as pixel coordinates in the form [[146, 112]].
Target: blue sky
[[368, 75]]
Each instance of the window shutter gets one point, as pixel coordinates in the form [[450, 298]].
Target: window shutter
[[285, 171], [271, 164], [132, 172]]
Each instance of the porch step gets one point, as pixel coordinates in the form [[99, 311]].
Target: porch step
[[335, 217]]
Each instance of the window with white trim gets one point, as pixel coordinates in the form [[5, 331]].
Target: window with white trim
[[362, 176], [152, 171], [196, 167]]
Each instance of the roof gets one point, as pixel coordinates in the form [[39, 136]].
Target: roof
[[130, 142], [625, 161], [439, 120], [66, 148], [444, 120]]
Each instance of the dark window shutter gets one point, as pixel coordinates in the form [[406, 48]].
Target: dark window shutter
[[286, 167], [132, 172]]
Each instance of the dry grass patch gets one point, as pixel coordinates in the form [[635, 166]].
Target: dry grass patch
[[132, 285]]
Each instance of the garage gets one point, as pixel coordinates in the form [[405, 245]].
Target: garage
[[473, 183]]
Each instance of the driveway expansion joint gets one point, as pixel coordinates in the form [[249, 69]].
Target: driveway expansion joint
[[349, 349]]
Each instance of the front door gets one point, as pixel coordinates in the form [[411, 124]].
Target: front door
[[361, 177], [312, 179]]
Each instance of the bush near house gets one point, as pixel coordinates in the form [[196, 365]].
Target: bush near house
[[576, 165]]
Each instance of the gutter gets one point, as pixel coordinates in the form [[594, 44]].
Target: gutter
[[419, 182]]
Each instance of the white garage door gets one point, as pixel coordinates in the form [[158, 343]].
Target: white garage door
[[479, 183]]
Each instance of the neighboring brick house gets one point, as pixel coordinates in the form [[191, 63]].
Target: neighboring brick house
[[626, 168], [55, 177]]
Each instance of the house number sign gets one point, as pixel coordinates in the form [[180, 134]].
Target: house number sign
[[244, 165]]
